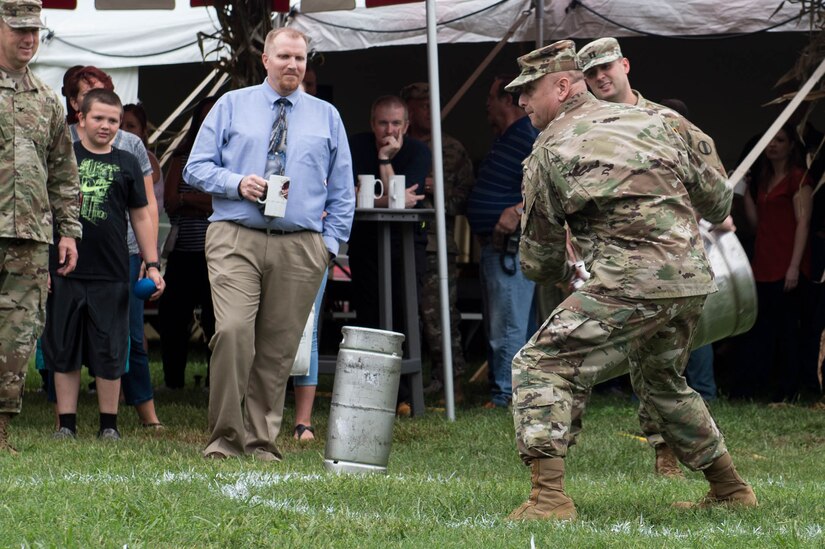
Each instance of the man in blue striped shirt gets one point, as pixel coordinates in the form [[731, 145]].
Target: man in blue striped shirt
[[494, 211]]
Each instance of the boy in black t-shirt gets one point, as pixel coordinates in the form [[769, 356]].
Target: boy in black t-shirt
[[87, 313]]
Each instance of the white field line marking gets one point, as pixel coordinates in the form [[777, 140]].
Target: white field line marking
[[240, 487]]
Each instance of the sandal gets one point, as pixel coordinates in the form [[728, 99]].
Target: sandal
[[300, 429]]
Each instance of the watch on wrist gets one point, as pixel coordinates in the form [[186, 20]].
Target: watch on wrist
[[150, 264], [384, 161]]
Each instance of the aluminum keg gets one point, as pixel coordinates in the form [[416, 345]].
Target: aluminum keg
[[362, 414], [732, 310]]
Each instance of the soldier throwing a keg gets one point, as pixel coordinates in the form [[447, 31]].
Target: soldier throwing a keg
[[626, 185]]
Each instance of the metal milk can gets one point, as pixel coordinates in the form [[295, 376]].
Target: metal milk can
[[362, 414]]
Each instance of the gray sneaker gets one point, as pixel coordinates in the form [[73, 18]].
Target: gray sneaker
[[64, 433], [108, 434]]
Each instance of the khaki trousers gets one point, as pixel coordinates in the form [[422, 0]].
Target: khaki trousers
[[23, 279], [263, 287]]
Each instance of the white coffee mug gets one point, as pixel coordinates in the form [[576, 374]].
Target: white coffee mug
[[398, 192], [275, 199], [366, 191]]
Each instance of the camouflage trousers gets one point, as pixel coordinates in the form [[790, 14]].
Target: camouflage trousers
[[430, 308], [591, 338], [23, 280], [650, 427]]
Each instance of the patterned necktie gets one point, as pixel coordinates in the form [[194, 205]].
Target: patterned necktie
[[276, 155]]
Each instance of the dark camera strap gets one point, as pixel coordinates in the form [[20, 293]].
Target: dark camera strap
[[511, 268]]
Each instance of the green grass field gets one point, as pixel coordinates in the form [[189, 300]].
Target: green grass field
[[449, 485]]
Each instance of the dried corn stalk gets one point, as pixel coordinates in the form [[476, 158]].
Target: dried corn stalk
[[243, 28]]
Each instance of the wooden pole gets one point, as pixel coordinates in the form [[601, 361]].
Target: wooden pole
[[746, 164]]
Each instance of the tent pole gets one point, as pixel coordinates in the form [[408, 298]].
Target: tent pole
[[169, 119], [487, 60], [440, 229]]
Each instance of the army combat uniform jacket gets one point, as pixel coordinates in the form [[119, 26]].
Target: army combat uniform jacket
[[629, 204], [698, 141], [38, 172]]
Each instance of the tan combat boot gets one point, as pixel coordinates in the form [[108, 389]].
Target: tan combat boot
[[726, 487], [666, 463], [547, 498], [5, 446]]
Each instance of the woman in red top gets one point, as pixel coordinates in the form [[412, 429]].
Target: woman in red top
[[778, 204]]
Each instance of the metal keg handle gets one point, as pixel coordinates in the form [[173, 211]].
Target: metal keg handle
[[580, 273]]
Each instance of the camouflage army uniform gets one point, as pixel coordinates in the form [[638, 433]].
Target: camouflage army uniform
[[626, 185], [703, 146], [38, 185], [458, 181], [698, 141]]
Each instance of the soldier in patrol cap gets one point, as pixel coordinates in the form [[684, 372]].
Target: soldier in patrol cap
[[22, 14], [458, 182], [625, 185], [606, 72], [39, 198]]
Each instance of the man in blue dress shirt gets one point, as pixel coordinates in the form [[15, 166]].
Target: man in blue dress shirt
[[265, 271]]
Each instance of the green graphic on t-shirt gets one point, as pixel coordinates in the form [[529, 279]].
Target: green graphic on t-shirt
[[95, 180]]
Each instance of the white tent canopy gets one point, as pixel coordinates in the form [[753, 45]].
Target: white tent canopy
[[487, 20], [120, 42]]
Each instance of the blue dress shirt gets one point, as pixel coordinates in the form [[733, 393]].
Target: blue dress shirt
[[232, 143]]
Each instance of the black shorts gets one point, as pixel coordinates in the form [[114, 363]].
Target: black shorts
[[87, 322]]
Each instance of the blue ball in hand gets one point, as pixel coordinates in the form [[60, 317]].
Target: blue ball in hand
[[144, 288]]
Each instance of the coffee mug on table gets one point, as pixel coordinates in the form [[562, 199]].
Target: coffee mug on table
[[398, 192], [275, 199], [366, 191]]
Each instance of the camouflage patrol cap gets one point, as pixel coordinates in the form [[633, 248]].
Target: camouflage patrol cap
[[22, 14], [557, 57], [599, 52], [417, 90]]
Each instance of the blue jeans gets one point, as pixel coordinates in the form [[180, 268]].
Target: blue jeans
[[312, 377], [508, 302], [699, 372], [136, 382]]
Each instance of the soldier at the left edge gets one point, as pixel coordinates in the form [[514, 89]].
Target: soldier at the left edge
[[39, 200]]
